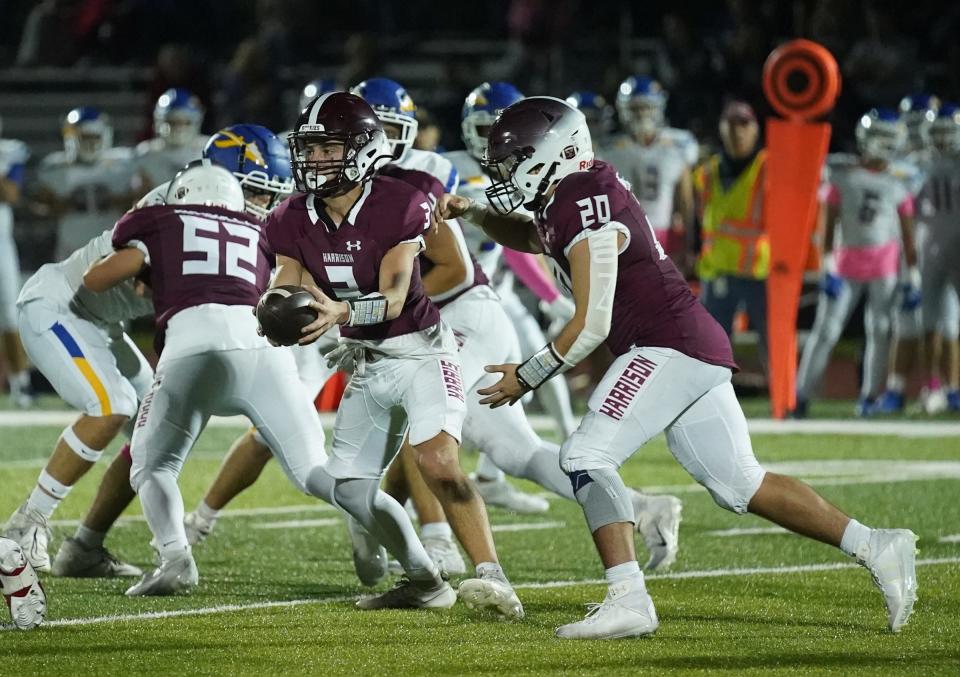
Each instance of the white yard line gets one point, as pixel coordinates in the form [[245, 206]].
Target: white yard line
[[527, 526], [747, 531], [762, 426], [298, 524], [954, 538], [229, 608], [239, 512]]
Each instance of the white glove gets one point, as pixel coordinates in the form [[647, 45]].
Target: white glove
[[561, 308]]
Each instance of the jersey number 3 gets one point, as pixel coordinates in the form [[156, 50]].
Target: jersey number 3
[[202, 235]]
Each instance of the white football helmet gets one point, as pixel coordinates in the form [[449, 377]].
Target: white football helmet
[[534, 144], [881, 134], [203, 183]]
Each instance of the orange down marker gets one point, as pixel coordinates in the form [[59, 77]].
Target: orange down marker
[[801, 81]]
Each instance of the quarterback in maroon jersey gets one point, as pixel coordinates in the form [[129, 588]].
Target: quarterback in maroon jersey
[[353, 239], [207, 265], [672, 370]]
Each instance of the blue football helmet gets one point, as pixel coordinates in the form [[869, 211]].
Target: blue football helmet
[[395, 109], [315, 88], [641, 105], [881, 134], [177, 117], [86, 134], [945, 129], [480, 109], [595, 108], [259, 160], [918, 112]]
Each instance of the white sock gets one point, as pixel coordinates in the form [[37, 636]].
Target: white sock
[[19, 381], [855, 536], [628, 571], [436, 530], [490, 569], [163, 508], [206, 513], [48, 493], [487, 470], [89, 537], [896, 383]]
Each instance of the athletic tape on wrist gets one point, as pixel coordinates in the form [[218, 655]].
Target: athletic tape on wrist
[[369, 309], [79, 448], [540, 367]]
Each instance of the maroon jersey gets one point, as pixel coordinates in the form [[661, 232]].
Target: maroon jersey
[[653, 305], [433, 189], [197, 255], [345, 260]]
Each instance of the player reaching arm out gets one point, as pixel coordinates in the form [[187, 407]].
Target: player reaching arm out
[[593, 263]]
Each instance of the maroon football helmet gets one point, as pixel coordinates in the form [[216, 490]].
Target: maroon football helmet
[[534, 144], [337, 118]]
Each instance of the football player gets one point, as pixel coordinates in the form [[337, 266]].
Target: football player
[[672, 371], [357, 237], [13, 159], [207, 263], [87, 184], [655, 159], [920, 112], [503, 265], [177, 117], [485, 335], [868, 219]]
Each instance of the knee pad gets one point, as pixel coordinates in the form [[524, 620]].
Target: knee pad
[[736, 494], [603, 496], [78, 447]]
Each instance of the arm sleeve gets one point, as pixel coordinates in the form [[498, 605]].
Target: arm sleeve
[[528, 269], [603, 285], [829, 194], [906, 206]]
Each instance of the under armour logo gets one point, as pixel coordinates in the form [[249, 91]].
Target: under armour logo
[[353, 245]]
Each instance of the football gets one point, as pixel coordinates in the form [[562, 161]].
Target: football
[[283, 311]]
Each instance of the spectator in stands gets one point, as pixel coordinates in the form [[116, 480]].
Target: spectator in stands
[[177, 66], [48, 35], [251, 89]]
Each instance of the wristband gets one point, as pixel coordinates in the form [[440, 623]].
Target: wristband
[[369, 309], [540, 367], [476, 213]]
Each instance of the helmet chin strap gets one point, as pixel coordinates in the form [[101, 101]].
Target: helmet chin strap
[[543, 186]]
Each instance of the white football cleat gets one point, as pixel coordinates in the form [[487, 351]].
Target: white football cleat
[[658, 521], [933, 400], [369, 557], [75, 560], [21, 587], [491, 592], [627, 611], [504, 495], [891, 557], [29, 528], [197, 527], [446, 555], [407, 594], [173, 575]]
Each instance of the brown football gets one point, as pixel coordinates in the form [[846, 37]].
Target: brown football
[[283, 311]]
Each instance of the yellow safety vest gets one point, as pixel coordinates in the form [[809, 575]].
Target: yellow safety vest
[[734, 238]]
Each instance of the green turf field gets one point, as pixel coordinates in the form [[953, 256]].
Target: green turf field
[[277, 585]]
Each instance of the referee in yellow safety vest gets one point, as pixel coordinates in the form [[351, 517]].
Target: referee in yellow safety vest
[[734, 257]]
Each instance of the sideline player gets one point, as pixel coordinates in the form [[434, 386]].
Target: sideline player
[[207, 263], [177, 117], [656, 160], [357, 236], [869, 218], [85, 185], [13, 159], [672, 372]]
